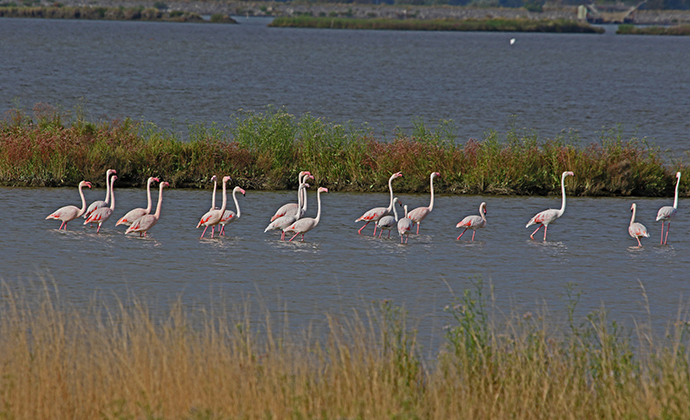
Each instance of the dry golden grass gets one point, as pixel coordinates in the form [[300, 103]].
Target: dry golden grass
[[58, 362]]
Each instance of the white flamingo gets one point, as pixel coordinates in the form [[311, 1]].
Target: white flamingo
[[69, 213], [473, 222], [308, 223], [377, 213], [230, 216], [405, 226], [291, 207], [546, 217], [134, 214], [212, 217], [389, 222], [637, 230], [101, 203], [102, 214], [283, 222], [418, 214], [667, 212], [143, 224]]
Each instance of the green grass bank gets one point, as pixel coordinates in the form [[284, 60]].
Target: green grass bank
[[266, 150], [108, 13], [488, 24], [678, 30], [58, 361]]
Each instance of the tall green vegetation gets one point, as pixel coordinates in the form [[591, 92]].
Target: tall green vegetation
[[219, 362], [266, 150], [679, 30]]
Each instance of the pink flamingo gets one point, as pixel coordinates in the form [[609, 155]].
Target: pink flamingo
[[69, 213], [667, 212], [418, 214], [212, 217], [143, 224], [377, 213], [283, 222], [308, 223], [637, 230], [229, 216], [546, 217], [101, 203], [405, 226], [102, 214], [291, 207], [134, 214], [473, 222], [389, 222]]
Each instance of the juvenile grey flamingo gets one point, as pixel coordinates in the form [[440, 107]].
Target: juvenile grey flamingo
[[389, 222], [405, 226]]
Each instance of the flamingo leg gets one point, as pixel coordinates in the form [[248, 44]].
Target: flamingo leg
[[401, 239], [360, 229], [668, 227], [417, 229], [473, 232], [282, 236], [639, 244], [302, 240], [375, 229], [463, 232], [380, 233], [63, 224], [294, 237], [213, 230], [389, 233], [662, 233], [532, 235], [202, 233], [407, 238], [546, 227], [99, 228]]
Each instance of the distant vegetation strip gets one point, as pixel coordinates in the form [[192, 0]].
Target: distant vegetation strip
[[678, 30], [488, 24], [108, 13], [265, 150]]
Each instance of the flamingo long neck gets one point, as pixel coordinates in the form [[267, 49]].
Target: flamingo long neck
[[431, 204], [160, 201], [112, 193], [82, 210], [237, 206], [301, 194], [318, 212], [632, 219], [405, 210], [675, 199], [148, 196], [213, 198], [481, 212], [107, 188], [225, 197], [562, 210], [395, 212], [390, 188]]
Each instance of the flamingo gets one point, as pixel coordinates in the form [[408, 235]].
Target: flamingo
[[101, 203], [473, 222], [283, 222], [291, 207], [69, 213], [213, 197], [308, 223], [212, 217], [102, 214], [229, 216], [389, 222], [377, 213], [143, 224], [667, 212], [549, 216], [134, 214], [405, 226], [637, 230], [418, 214]]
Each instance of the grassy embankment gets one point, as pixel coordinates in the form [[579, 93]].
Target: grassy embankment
[[488, 24], [108, 13], [60, 362], [653, 30], [267, 150]]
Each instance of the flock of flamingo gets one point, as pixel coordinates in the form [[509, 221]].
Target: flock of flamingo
[[289, 218]]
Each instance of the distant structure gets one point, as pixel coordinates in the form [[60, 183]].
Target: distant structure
[[607, 13]]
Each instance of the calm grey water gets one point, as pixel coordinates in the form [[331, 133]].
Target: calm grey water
[[336, 270], [205, 73]]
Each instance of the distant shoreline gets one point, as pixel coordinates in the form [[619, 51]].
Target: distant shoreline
[[109, 13]]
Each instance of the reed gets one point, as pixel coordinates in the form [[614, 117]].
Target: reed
[[678, 30], [122, 362], [266, 150], [488, 24]]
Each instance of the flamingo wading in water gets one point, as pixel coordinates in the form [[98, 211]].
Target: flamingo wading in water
[[308, 223], [102, 214], [667, 212], [69, 213], [473, 222], [637, 230], [389, 222], [143, 224], [377, 213], [291, 207], [549, 216], [212, 217], [418, 214], [283, 222], [230, 216], [405, 226], [134, 214], [101, 203]]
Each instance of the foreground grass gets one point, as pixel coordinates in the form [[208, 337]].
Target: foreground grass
[[57, 362], [107, 13], [653, 30], [267, 150], [488, 24]]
